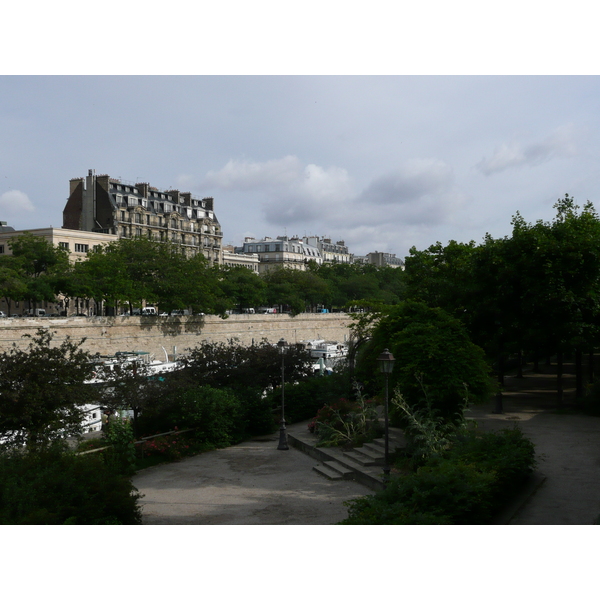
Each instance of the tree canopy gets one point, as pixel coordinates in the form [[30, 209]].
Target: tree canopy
[[43, 391]]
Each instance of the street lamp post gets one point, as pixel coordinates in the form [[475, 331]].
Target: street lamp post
[[386, 366], [283, 444]]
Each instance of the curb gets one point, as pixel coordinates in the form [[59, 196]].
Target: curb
[[530, 487]]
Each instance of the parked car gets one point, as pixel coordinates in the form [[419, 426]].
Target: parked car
[[2, 314]]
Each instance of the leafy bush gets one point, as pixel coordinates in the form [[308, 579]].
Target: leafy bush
[[347, 423], [169, 447], [217, 415], [506, 453], [304, 398], [121, 452], [465, 484], [55, 486], [427, 434], [446, 493], [258, 417]]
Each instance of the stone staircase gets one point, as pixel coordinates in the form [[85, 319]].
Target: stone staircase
[[364, 464]]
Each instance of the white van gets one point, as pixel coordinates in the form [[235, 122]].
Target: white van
[[36, 312], [149, 311]]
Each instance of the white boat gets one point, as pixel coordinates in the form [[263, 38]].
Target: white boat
[[326, 350]]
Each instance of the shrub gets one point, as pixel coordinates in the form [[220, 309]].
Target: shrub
[[55, 486], [347, 423], [507, 453], [304, 398], [446, 493], [170, 447], [258, 417], [467, 483], [217, 415], [121, 453]]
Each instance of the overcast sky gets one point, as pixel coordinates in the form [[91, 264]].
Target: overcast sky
[[382, 162]]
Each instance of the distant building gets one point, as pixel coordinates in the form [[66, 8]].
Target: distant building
[[330, 252], [233, 259], [77, 242], [290, 253], [380, 259], [104, 204]]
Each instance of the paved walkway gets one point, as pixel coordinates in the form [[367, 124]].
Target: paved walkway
[[568, 449], [254, 483]]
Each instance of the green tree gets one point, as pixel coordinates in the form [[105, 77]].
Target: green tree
[[42, 266], [43, 391], [242, 287], [436, 363], [13, 286]]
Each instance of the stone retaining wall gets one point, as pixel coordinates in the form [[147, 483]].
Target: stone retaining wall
[[107, 335]]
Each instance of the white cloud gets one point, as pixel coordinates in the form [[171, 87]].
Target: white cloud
[[247, 175], [560, 144], [418, 195], [13, 203]]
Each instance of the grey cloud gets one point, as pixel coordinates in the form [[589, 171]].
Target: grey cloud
[[410, 182], [560, 144]]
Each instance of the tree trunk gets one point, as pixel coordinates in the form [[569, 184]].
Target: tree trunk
[[578, 373], [559, 377], [591, 367]]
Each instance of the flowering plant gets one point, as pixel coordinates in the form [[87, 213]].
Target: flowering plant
[[346, 423], [172, 447]]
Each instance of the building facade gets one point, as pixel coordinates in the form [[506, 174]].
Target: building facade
[[104, 204], [231, 258], [330, 252], [290, 253], [380, 259], [77, 243]]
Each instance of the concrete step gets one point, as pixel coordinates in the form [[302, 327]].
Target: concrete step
[[363, 459], [374, 447], [372, 454], [345, 472], [396, 440], [333, 470], [324, 470]]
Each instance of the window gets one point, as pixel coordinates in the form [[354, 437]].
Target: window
[[2, 248], [122, 215], [81, 247], [63, 245], [138, 218]]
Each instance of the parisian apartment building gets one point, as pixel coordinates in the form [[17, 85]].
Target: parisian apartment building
[[293, 252], [105, 204]]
